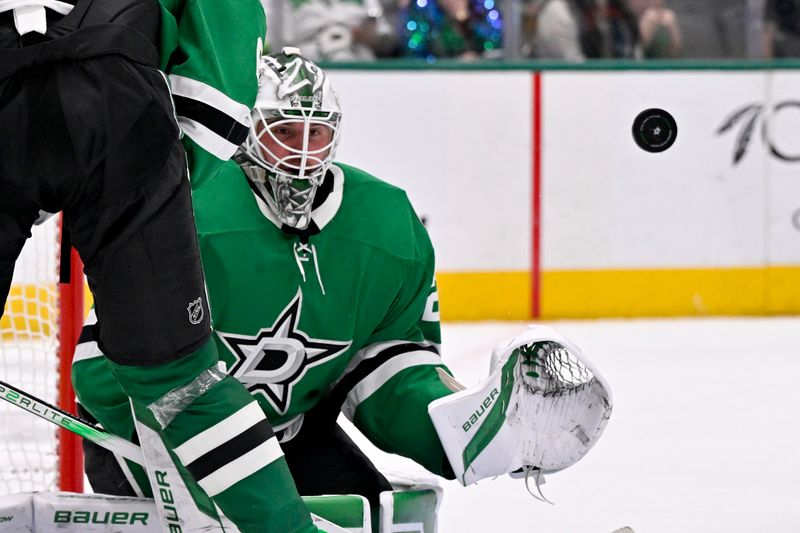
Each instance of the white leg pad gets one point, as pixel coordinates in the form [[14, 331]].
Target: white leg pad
[[67, 512], [59, 512], [16, 513], [412, 510]]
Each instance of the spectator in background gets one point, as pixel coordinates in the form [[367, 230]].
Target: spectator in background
[[624, 29], [660, 31], [552, 31], [462, 29], [573, 30], [781, 28], [340, 30], [608, 28]]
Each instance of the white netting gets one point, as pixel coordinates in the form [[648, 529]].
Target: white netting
[[566, 401], [551, 368], [29, 360]]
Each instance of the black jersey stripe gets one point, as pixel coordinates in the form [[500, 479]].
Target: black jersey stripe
[[88, 334], [231, 450], [368, 366], [212, 118]]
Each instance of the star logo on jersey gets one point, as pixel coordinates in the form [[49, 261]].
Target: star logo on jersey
[[273, 361]]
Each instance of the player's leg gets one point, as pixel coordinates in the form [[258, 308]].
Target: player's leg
[[323, 459], [108, 473], [21, 174], [102, 401], [333, 464], [14, 230], [133, 226]]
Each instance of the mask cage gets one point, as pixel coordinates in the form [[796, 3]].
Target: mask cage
[[290, 182], [298, 163]]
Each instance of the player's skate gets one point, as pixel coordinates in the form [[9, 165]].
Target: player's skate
[[542, 407]]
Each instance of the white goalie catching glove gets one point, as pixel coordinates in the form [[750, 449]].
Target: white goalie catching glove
[[542, 408]]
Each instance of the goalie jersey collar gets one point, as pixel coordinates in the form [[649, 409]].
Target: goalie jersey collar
[[326, 204]]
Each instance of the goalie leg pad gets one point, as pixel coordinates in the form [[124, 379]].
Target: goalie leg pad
[[407, 509], [16, 512], [348, 511], [411, 509], [67, 512], [542, 406]]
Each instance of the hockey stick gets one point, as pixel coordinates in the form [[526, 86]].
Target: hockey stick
[[113, 443], [168, 514], [70, 422]]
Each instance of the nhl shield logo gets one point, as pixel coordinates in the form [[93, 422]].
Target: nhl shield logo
[[196, 311]]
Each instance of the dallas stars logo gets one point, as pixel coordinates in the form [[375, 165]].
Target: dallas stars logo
[[273, 361]]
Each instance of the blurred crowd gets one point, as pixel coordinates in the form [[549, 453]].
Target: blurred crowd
[[560, 30]]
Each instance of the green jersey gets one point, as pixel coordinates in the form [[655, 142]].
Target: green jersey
[[343, 314], [213, 77], [346, 312]]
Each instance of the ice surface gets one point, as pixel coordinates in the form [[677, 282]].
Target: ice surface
[[704, 435], [703, 438]]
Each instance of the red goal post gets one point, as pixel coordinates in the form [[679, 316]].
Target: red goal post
[[71, 315], [39, 329]]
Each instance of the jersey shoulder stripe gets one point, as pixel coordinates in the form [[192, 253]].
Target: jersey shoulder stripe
[[208, 116], [376, 364]]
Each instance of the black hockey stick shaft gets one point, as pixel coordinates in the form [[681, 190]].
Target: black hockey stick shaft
[[63, 419]]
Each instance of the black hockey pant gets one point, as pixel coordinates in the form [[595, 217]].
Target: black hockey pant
[[97, 139]]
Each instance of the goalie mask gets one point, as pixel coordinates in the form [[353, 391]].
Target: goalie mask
[[293, 135]]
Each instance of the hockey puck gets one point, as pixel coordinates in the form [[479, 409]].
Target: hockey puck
[[654, 130]]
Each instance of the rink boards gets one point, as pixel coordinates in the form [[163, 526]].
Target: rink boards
[[540, 205]]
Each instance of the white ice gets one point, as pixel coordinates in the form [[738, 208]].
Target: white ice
[[703, 437]]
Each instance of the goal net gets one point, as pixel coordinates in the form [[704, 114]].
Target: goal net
[[37, 334]]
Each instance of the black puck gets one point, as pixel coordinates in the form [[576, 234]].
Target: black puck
[[654, 130]]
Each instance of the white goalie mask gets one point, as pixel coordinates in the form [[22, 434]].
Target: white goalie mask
[[293, 135]]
